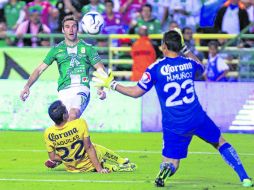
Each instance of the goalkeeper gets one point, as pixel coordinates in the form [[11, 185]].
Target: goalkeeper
[[69, 143], [182, 114]]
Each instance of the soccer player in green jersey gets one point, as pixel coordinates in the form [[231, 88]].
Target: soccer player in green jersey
[[74, 58]]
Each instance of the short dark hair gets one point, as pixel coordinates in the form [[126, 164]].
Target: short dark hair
[[147, 5], [69, 17], [173, 22], [172, 40], [56, 111], [186, 28], [213, 43], [109, 1]]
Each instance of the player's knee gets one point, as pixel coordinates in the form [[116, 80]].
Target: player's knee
[[222, 141], [217, 145], [73, 115]]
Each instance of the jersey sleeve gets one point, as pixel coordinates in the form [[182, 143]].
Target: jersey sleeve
[[50, 57], [84, 127], [49, 144], [93, 56], [148, 78]]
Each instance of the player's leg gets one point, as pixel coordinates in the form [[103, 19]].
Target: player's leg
[[231, 157], [113, 167], [211, 134], [175, 147], [110, 155], [66, 100], [76, 100], [167, 168], [74, 113], [117, 163]]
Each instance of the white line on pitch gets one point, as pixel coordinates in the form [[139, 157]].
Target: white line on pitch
[[91, 181], [124, 151], [69, 180]]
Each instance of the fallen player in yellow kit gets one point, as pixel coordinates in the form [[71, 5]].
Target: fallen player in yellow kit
[[69, 143]]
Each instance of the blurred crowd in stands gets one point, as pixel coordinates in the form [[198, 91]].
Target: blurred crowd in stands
[[125, 16], [18, 17]]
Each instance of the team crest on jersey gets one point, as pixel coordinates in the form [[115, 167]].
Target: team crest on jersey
[[84, 79], [83, 50], [146, 78]]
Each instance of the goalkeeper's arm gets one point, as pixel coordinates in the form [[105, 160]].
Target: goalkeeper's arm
[[132, 91], [107, 80]]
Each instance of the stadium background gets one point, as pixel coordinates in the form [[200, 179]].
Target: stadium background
[[122, 124]]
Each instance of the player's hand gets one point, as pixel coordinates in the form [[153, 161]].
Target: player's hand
[[102, 79], [102, 94], [52, 164], [185, 50], [178, 30], [24, 93], [103, 171]]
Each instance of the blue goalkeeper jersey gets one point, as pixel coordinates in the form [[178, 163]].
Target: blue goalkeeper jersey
[[173, 79]]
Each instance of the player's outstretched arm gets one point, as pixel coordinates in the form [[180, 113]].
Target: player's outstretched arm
[[132, 91], [103, 79], [32, 79], [90, 150], [101, 93]]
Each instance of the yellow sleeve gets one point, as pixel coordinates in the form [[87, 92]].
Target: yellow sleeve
[[84, 127], [49, 143]]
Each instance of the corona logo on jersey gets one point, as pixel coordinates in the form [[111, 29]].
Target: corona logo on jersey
[[146, 78], [177, 72], [168, 69], [54, 137]]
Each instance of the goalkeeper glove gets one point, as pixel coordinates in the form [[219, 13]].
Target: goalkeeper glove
[[184, 49], [102, 79], [52, 164]]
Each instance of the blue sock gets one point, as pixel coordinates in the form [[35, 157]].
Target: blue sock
[[229, 154], [173, 169], [169, 166]]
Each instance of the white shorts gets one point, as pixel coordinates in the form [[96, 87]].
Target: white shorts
[[75, 97]]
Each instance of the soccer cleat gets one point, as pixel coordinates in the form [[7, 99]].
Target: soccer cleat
[[110, 167], [126, 161], [247, 183], [129, 167], [159, 182], [165, 171]]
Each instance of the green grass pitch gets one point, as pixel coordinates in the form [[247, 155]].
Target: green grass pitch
[[22, 157]]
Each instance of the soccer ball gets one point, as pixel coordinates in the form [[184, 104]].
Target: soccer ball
[[92, 23]]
